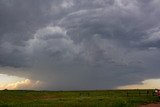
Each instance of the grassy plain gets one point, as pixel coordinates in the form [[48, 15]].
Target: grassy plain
[[97, 98]]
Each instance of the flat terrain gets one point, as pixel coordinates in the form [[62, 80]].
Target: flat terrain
[[103, 98], [151, 105]]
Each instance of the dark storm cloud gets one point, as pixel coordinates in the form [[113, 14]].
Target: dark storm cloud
[[81, 44]]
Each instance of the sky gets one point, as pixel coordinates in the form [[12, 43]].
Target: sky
[[79, 44]]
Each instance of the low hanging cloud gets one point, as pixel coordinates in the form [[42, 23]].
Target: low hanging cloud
[[72, 44], [14, 82], [14, 85], [146, 84]]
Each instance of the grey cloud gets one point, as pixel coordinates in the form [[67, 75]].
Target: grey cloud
[[81, 44], [50, 43]]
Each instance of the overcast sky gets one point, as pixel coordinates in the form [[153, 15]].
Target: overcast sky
[[80, 44]]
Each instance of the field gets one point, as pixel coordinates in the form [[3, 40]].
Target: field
[[103, 98]]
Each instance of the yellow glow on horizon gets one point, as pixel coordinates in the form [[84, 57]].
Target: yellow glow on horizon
[[14, 82], [146, 84], [4, 79]]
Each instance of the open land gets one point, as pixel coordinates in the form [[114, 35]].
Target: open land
[[95, 98]]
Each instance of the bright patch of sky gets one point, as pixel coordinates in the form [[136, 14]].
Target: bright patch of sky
[[6, 79]]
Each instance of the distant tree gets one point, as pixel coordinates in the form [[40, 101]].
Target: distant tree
[[5, 89]]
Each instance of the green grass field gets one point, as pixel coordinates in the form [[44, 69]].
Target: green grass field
[[106, 98]]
